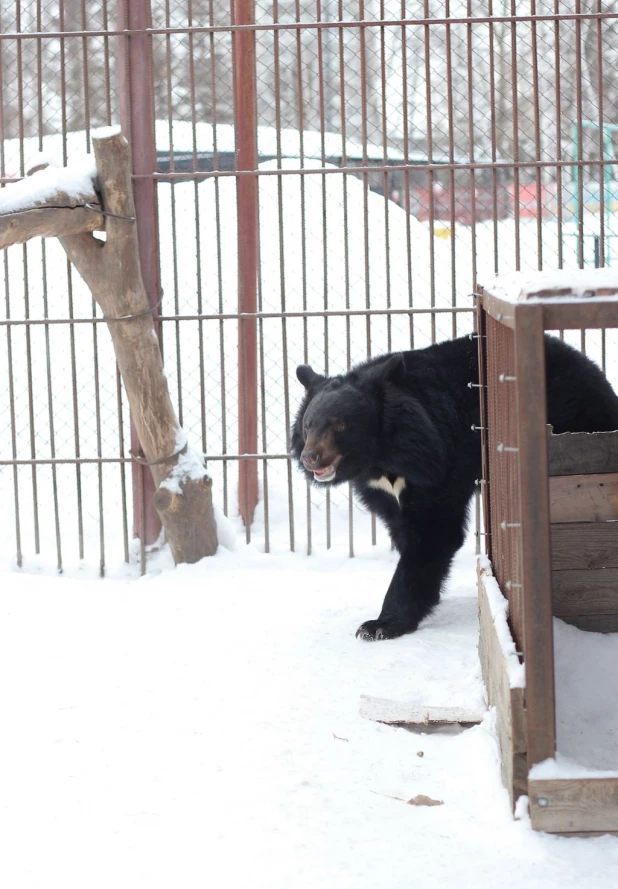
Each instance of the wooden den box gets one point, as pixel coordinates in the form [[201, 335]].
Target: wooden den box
[[551, 522]]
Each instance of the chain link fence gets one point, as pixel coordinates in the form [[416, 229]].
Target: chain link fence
[[332, 182]]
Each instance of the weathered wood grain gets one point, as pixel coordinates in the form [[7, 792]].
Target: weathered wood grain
[[578, 453], [585, 592], [584, 498], [575, 804], [583, 545], [538, 635], [53, 218]]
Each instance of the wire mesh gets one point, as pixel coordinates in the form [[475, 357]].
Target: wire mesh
[[406, 150]]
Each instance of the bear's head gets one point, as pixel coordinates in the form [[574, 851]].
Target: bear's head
[[337, 429]]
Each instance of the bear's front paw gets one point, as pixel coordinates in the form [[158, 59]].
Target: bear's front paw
[[374, 630]]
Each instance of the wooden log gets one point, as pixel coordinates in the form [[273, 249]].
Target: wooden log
[[112, 271], [584, 498], [564, 805], [579, 453], [509, 702], [56, 216], [584, 545]]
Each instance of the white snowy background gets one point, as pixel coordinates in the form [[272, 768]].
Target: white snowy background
[[200, 725]]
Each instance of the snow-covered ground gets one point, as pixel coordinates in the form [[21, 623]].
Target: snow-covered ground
[[200, 726]]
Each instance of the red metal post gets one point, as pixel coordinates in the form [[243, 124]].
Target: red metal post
[[137, 116], [247, 209]]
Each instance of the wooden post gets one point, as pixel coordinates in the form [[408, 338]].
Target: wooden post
[[535, 532], [111, 269]]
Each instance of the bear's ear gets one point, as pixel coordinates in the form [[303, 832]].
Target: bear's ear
[[308, 377], [393, 369]]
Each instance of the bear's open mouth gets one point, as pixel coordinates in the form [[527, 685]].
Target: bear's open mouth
[[327, 473]]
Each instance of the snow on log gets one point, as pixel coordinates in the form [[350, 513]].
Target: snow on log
[[52, 202]]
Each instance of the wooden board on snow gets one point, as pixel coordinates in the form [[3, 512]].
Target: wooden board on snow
[[398, 713]]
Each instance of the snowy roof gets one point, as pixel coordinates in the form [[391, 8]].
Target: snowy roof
[[556, 285]]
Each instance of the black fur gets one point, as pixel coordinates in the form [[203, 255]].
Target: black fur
[[409, 416]]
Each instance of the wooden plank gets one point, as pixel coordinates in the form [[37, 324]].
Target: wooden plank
[[535, 543], [593, 623], [578, 453], [582, 545], [509, 702], [398, 713], [578, 315], [585, 592], [574, 804], [584, 498]]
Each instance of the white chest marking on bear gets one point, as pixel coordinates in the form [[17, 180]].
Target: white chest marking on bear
[[383, 484]]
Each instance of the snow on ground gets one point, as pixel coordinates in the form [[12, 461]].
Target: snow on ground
[[200, 727]]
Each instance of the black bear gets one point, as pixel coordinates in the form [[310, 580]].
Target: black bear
[[399, 427]]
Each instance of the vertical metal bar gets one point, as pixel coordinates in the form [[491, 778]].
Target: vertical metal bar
[[603, 169], [451, 160], [303, 228], [537, 136], [9, 339], [215, 166], [95, 341], [364, 136], [135, 76], [385, 177], [535, 532], [282, 282], [85, 74], [430, 175], [558, 104], [198, 248], [322, 115], [169, 61], [247, 204], [471, 143], [514, 88], [494, 146], [406, 160], [601, 132], [69, 272], [50, 410], [123, 475], [580, 134], [107, 66], [346, 238], [9, 356], [24, 252]]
